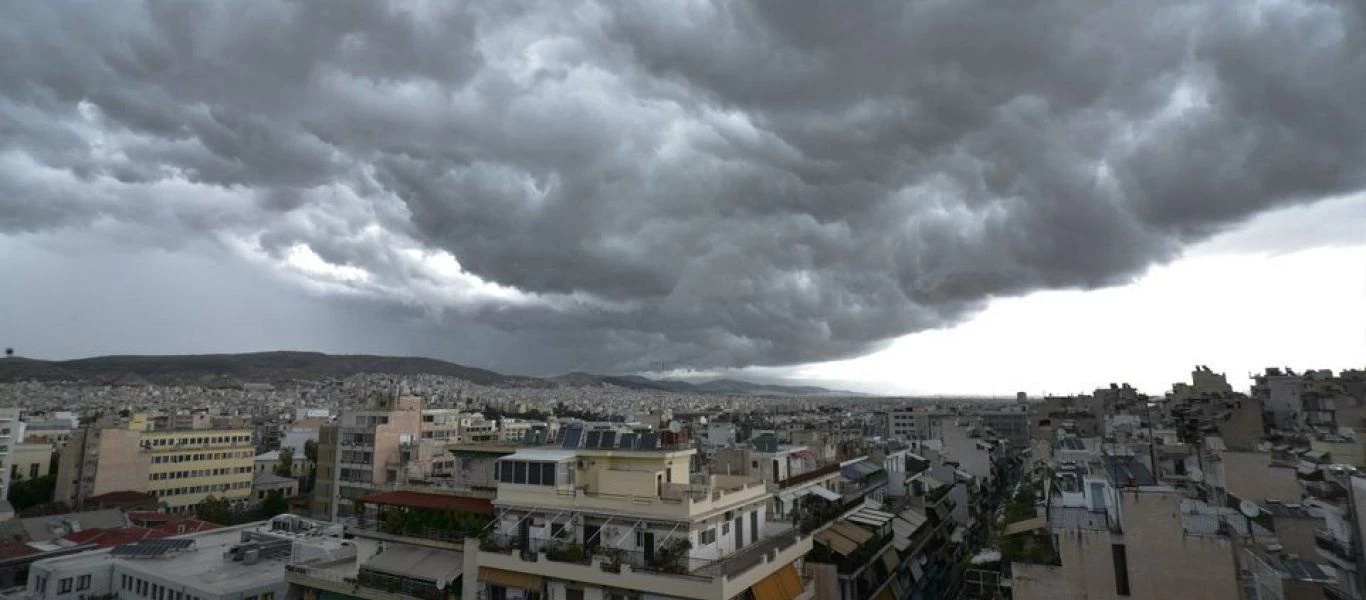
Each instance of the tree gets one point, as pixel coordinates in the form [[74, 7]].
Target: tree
[[274, 504], [24, 493], [286, 466], [215, 510]]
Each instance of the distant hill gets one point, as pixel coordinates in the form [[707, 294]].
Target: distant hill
[[232, 370], [220, 369]]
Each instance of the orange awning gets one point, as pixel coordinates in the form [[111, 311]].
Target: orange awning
[[783, 584], [513, 579]]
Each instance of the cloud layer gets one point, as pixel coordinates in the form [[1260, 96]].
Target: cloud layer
[[690, 183]]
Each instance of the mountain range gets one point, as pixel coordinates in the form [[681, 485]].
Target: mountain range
[[233, 370]]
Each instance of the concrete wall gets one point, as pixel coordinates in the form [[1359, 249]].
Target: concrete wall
[[123, 463], [1250, 476], [1166, 563], [1297, 535], [1163, 562], [1243, 428]]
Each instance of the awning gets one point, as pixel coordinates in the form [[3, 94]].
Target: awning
[[790, 496], [783, 584], [916, 571], [513, 579], [852, 531], [823, 492], [837, 543], [874, 518], [418, 562], [889, 560]]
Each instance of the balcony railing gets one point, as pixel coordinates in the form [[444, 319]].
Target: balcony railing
[[817, 473], [379, 526], [1342, 549], [611, 559]]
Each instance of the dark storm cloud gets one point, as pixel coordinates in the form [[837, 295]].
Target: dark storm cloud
[[716, 184]]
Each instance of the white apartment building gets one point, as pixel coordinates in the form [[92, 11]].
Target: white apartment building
[[614, 515], [11, 433]]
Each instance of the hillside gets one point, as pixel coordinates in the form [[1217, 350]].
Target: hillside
[[232, 370]]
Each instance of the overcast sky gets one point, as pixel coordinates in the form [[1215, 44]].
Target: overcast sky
[[922, 196]]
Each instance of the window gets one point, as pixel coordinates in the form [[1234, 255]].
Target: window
[[1121, 569], [519, 472], [268, 596], [707, 537], [64, 585], [725, 528], [83, 582]]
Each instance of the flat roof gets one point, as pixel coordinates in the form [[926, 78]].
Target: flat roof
[[202, 566], [542, 454]]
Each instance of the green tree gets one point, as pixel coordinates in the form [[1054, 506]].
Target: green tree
[[286, 466], [25, 493], [215, 510], [274, 504]]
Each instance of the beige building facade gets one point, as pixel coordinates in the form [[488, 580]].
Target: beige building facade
[[180, 467]]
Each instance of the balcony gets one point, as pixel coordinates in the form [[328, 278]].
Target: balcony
[[672, 501], [812, 475], [1341, 549], [688, 577]]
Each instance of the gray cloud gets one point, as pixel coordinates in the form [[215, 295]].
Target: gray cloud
[[712, 184]]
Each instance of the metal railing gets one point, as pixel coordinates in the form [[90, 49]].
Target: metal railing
[[611, 559], [1343, 549], [816, 473], [379, 526]]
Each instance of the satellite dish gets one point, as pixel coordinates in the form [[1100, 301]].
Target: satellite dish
[[1197, 475], [1249, 509], [675, 426], [702, 420]]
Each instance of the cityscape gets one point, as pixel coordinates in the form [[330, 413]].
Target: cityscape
[[432, 487], [682, 300]]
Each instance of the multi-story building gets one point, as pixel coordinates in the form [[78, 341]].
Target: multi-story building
[[1009, 421], [54, 432], [395, 441], [180, 467], [10, 434], [1279, 392], [611, 514], [915, 424]]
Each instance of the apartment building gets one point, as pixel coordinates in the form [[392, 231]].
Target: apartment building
[[181, 468], [394, 441], [611, 513], [915, 424], [54, 432], [10, 435], [1010, 422]]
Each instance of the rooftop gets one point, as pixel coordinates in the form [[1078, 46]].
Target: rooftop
[[422, 500], [1126, 471], [205, 565]]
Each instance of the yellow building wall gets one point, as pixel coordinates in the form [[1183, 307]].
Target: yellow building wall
[[186, 467]]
